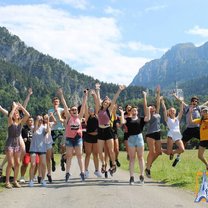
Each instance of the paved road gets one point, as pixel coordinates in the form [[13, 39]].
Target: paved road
[[114, 192]]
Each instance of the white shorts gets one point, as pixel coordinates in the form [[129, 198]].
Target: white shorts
[[175, 135]]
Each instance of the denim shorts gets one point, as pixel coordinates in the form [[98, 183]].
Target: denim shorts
[[136, 140], [73, 142]]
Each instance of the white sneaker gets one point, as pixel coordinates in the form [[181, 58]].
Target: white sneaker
[[87, 174], [31, 183], [43, 182], [22, 180], [98, 174]]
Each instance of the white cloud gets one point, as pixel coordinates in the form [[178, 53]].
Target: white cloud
[[89, 44], [203, 32], [138, 46], [155, 8], [114, 12], [78, 4]]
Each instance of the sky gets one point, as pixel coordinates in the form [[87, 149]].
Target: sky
[[109, 40]]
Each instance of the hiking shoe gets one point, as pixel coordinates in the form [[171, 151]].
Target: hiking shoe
[[141, 178], [82, 176], [39, 179], [148, 173], [176, 161], [53, 165], [98, 174], [62, 163], [49, 178], [31, 183], [67, 177], [171, 156], [43, 182], [22, 180], [131, 181], [118, 163], [87, 174]]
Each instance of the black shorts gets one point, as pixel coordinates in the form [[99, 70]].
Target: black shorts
[[126, 136], [155, 136], [204, 144], [91, 138], [105, 133], [190, 133]]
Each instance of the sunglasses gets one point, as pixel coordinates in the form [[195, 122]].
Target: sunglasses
[[73, 110]]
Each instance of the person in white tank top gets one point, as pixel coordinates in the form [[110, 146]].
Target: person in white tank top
[[174, 133]]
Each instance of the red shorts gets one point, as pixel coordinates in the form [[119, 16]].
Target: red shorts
[[26, 159]]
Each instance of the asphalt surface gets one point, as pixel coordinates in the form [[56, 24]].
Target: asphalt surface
[[96, 192]]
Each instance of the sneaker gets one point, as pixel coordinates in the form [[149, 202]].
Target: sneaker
[[39, 179], [87, 174], [53, 165], [31, 183], [43, 182], [118, 163], [22, 180], [176, 161], [131, 181], [141, 178], [148, 173], [67, 177], [82, 176], [49, 178], [62, 163], [98, 174], [171, 156]]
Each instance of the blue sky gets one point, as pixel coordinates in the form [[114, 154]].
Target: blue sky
[[109, 40]]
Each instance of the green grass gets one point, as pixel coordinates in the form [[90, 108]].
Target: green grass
[[183, 175]]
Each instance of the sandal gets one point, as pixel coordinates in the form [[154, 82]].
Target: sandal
[[16, 185], [112, 170], [103, 169], [8, 186]]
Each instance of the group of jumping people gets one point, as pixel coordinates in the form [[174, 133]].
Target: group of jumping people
[[93, 130]]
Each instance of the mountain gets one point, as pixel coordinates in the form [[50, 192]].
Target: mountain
[[22, 67], [183, 63]]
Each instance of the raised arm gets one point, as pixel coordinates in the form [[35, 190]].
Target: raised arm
[[206, 103], [30, 92], [10, 115], [63, 101], [144, 102], [113, 102], [179, 100], [82, 110], [95, 98], [158, 99], [98, 100], [180, 114], [4, 111], [25, 112], [164, 109], [122, 119]]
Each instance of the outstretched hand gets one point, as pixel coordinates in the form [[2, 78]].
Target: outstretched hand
[[30, 92], [59, 92], [122, 87]]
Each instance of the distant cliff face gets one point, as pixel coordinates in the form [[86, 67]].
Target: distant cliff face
[[183, 62]]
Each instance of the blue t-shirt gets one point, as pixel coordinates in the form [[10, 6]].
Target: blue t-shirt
[[59, 125]]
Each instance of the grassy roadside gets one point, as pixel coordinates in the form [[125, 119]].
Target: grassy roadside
[[183, 175]]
